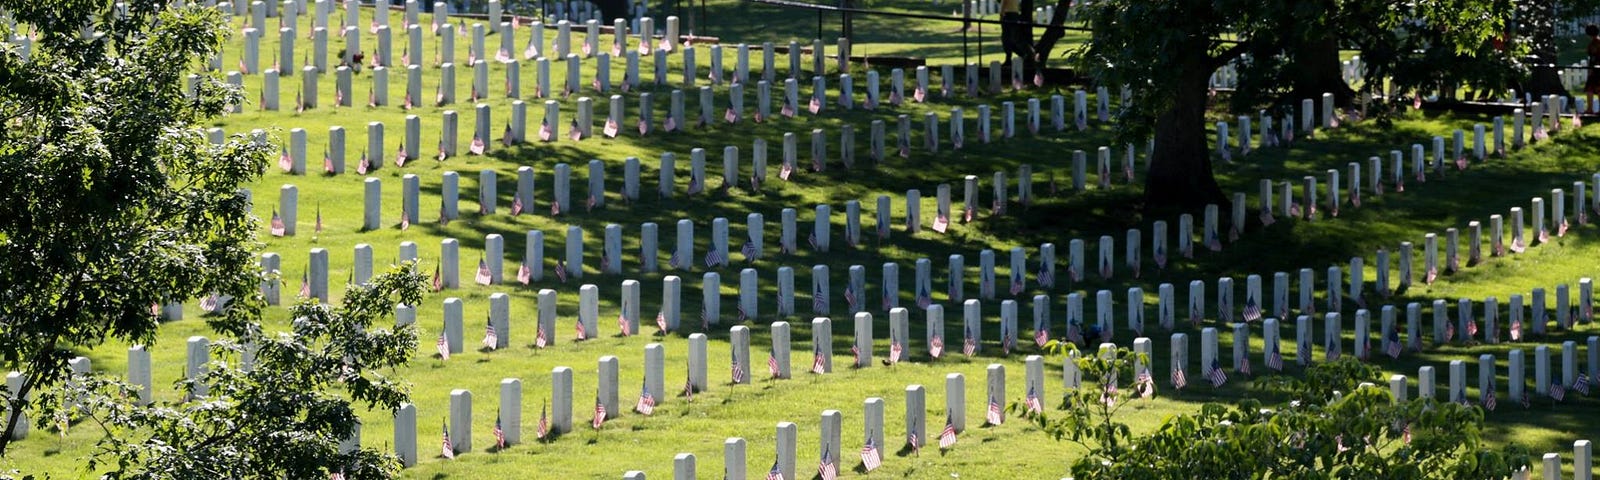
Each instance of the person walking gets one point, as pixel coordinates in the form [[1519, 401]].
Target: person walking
[[1591, 87], [1016, 35]]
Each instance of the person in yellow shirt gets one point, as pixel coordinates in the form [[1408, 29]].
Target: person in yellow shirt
[[1015, 35]]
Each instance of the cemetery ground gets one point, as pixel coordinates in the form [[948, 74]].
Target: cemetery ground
[[635, 442]]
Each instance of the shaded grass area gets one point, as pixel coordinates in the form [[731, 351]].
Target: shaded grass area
[[751, 412]]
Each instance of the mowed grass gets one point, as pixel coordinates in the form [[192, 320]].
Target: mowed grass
[[753, 411]]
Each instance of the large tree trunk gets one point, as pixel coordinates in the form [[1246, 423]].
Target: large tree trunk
[[1180, 168], [1537, 23], [1052, 34], [1316, 70], [1546, 81]]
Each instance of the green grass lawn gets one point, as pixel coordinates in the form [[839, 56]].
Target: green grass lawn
[[752, 411]]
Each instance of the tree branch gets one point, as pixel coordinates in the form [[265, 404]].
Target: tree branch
[[1222, 58]]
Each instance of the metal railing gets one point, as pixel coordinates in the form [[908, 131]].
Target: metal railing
[[966, 19]]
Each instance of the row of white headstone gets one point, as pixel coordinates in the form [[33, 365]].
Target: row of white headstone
[[602, 83], [255, 30], [779, 358], [509, 415], [720, 246], [1567, 312], [295, 155], [560, 409]]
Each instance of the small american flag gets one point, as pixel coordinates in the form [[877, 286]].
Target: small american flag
[[870, 457], [1557, 392], [775, 473], [1449, 332], [661, 321], [1304, 354], [947, 438], [1018, 282], [1332, 351], [1581, 385], [286, 162], [813, 239], [583, 333], [483, 277], [855, 356], [209, 303], [818, 364], [443, 346], [647, 402], [675, 261], [1472, 327], [936, 346], [277, 229], [738, 369], [1215, 374], [1032, 401], [446, 447], [850, 297], [1108, 393], [1143, 383], [749, 251], [490, 338], [1489, 401], [772, 363], [1252, 310], [540, 340], [819, 299], [1274, 358], [695, 184], [923, 299], [1516, 330], [1041, 336], [623, 325], [894, 351], [827, 470], [1179, 380], [499, 433], [599, 413], [524, 274], [994, 416], [561, 270], [969, 345], [1394, 344], [913, 441], [1244, 366], [544, 424]]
